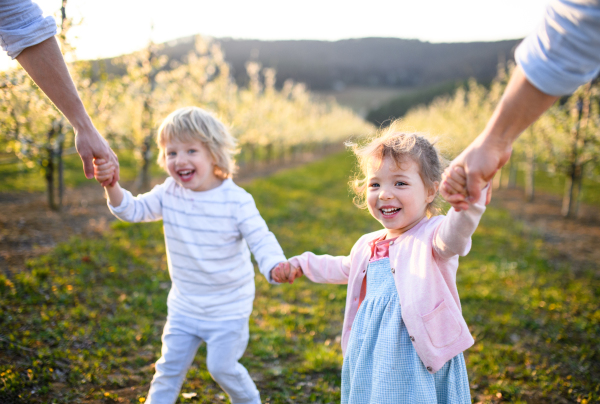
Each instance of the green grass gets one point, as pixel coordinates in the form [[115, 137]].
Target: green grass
[[85, 320]]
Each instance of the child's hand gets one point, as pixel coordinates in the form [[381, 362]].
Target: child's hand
[[103, 171], [285, 272], [454, 187]]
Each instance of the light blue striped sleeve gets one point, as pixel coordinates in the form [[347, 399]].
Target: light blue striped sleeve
[[564, 52], [262, 242], [142, 208], [22, 24]]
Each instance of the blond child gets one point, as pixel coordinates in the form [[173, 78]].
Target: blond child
[[404, 332], [209, 223]]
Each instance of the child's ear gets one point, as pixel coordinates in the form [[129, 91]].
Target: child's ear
[[432, 191]]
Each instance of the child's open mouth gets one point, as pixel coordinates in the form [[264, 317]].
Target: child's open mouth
[[186, 175], [389, 211]]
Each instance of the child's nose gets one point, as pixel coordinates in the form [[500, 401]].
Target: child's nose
[[384, 194]]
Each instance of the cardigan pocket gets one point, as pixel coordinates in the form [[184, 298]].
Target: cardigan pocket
[[441, 326]]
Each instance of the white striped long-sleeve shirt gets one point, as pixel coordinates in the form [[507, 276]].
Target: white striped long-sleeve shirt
[[207, 235]]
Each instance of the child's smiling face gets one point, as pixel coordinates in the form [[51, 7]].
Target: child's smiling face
[[397, 196], [191, 165]]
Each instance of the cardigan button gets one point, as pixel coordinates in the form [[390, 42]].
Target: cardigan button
[[412, 338], [393, 270], [429, 368], [391, 242]]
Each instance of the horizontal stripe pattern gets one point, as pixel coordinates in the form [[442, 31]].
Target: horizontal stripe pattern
[[209, 237]]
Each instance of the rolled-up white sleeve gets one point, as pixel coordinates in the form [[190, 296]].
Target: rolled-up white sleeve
[[22, 24], [564, 52]]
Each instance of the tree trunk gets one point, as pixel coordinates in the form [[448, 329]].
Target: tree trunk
[[579, 186], [147, 122], [49, 174], [581, 112], [530, 175], [250, 155], [144, 176], [572, 190], [509, 178], [61, 177], [282, 152], [269, 153], [512, 176]]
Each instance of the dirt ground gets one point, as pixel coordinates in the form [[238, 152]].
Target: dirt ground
[[28, 228], [568, 241]]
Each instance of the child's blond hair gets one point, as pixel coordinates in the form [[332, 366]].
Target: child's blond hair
[[195, 124], [396, 144]]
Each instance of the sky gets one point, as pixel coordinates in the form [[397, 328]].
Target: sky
[[113, 27]]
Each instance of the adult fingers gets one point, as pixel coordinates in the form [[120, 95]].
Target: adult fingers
[[88, 165], [473, 186], [455, 198]]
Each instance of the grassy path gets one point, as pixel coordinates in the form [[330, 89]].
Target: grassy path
[[84, 323]]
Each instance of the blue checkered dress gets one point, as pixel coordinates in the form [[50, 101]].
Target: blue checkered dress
[[381, 365]]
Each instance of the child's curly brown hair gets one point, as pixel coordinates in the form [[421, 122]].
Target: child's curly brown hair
[[398, 145]]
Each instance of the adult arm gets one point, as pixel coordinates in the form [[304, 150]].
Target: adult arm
[[27, 35], [46, 66], [562, 54], [519, 107]]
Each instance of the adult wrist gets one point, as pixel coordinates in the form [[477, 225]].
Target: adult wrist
[[84, 126], [497, 141]]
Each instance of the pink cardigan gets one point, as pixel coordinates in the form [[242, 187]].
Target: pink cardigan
[[424, 261]]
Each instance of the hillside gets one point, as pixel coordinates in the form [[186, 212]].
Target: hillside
[[371, 62], [365, 62]]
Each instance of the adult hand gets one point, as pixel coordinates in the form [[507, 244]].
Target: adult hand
[[479, 162], [521, 104], [46, 66], [91, 145]]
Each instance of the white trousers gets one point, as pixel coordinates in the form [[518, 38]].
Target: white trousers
[[226, 342]]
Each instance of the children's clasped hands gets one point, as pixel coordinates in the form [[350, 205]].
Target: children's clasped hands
[[285, 272]]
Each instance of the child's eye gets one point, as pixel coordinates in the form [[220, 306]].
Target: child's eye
[[171, 154], [374, 185], [400, 183], [191, 151]]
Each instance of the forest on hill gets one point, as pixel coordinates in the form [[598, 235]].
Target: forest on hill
[[372, 62]]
